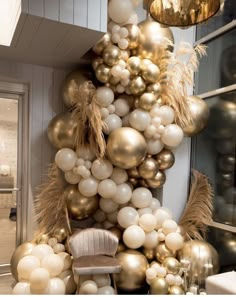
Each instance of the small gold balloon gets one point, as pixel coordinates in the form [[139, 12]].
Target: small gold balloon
[[148, 168], [162, 252], [126, 147], [158, 181], [176, 290], [143, 183], [103, 73], [159, 286], [165, 159], [62, 130], [96, 62], [154, 88], [137, 85], [133, 181], [60, 234], [79, 206], [151, 73], [133, 64], [134, 36], [133, 270], [21, 251], [111, 55], [102, 43], [133, 172], [114, 80], [172, 265], [121, 247], [43, 239], [199, 111], [149, 254], [147, 100], [116, 231]]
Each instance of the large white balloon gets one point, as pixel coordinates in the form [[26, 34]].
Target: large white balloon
[[89, 186], [21, 288], [39, 279], [42, 250], [120, 10], [127, 216], [102, 169], [151, 240], [112, 122], [119, 176], [141, 197], [147, 222], [53, 263], [88, 287], [174, 241], [167, 115], [172, 135], [26, 265], [122, 107], [104, 96], [169, 226], [139, 119], [66, 159], [154, 146], [56, 286], [134, 237], [107, 188], [123, 194]]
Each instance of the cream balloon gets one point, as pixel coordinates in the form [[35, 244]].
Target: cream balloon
[[25, 267], [58, 248], [56, 286], [104, 96], [119, 176], [154, 146], [106, 290], [167, 115], [21, 288], [174, 241], [139, 119], [141, 197], [122, 107], [147, 222], [53, 263], [172, 135], [72, 178], [142, 211], [134, 237], [67, 262], [102, 280], [107, 205], [127, 216], [123, 194], [39, 279], [151, 240], [161, 215], [155, 204], [102, 169], [107, 188], [120, 10], [112, 122], [88, 287], [89, 186], [66, 159], [99, 216], [169, 226]]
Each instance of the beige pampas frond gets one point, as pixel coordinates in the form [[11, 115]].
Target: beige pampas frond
[[90, 125], [50, 204], [198, 211]]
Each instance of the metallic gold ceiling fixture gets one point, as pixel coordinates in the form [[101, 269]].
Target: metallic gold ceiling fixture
[[183, 13]]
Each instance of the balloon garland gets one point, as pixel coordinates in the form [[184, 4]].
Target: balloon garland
[[115, 143]]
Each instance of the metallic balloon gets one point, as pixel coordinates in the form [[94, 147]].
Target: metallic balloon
[[148, 168], [151, 73], [126, 147], [62, 130], [176, 290], [133, 270], [111, 55], [133, 181], [149, 254], [137, 85], [21, 251], [42, 239], [158, 181], [103, 73], [226, 163], [133, 172], [134, 36], [172, 265], [102, 44], [165, 159], [199, 111], [147, 100], [60, 234], [154, 88], [202, 258], [116, 231], [143, 183], [114, 80], [121, 247], [79, 206], [162, 252], [96, 62], [159, 286], [154, 40], [133, 64]]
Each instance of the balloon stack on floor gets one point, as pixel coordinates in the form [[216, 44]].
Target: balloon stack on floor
[[140, 128]]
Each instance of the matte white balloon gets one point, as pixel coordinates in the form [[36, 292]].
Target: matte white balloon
[[120, 10], [170, 278], [26, 265], [106, 290], [141, 197], [102, 280], [89, 186], [169, 226], [102, 169], [21, 288], [56, 286], [161, 215], [105, 96], [122, 107], [125, 121], [174, 241], [119, 176], [172, 135], [107, 188], [107, 205], [53, 263], [166, 114], [52, 241], [134, 237], [66, 159], [155, 204], [99, 216], [58, 248], [127, 216], [161, 271], [42, 250], [39, 279], [67, 262], [154, 146], [72, 178], [88, 287], [139, 119], [123, 194], [147, 222], [112, 122], [144, 210], [112, 217], [151, 240]]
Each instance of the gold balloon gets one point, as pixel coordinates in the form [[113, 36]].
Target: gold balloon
[[165, 159], [147, 100], [103, 73], [62, 130], [134, 36], [79, 206], [148, 168], [111, 55], [60, 234], [96, 62], [149, 254], [176, 290], [133, 270], [137, 85], [121, 248], [133, 181], [172, 265], [162, 252], [133, 64], [158, 181], [151, 73], [70, 87], [21, 251], [126, 147], [199, 111], [43, 239], [159, 286], [143, 183], [133, 172], [114, 80], [154, 40], [102, 44], [202, 257], [116, 231], [154, 88]]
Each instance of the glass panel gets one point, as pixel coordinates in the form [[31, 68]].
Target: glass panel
[[215, 155], [221, 19], [8, 177], [218, 68]]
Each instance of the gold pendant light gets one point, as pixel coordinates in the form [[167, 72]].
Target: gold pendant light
[[182, 13]]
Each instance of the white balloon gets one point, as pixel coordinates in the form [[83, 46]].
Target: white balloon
[[99, 216], [174, 241], [52, 241], [123, 194], [42, 250], [102, 280], [67, 262], [104, 96], [172, 135], [104, 112], [151, 240], [133, 19], [141, 197], [134, 237], [155, 204], [88, 287], [169, 226], [26, 265], [166, 114], [170, 278], [112, 217], [139, 119], [72, 178], [39, 279], [125, 121], [21, 288], [147, 222], [151, 273], [107, 188], [85, 153], [120, 10], [58, 248], [127, 216], [106, 290], [107, 205], [56, 286], [111, 108], [154, 146], [89, 186], [161, 215], [144, 210], [66, 159], [53, 263], [119, 176], [102, 169], [161, 271], [123, 44], [122, 107], [112, 122]]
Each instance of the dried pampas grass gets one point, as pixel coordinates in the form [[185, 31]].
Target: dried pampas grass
[[50, 204], [90, 125], [198, 212]]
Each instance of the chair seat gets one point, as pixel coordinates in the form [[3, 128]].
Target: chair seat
[[97, 264]]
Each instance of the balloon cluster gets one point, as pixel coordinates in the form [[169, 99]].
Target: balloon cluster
[[96, 284]]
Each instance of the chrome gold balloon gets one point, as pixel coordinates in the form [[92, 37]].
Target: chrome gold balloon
[[121, 247], [133, 64], [159, 286], [165, 159], [172, 265], [137, 85], [162, 252], [79, 206], [102, 43], [133, 270], [96, 62], [176, 290], [126, 147], [21, 251], [154, 88], [133, 172], [158, 180], [151, 73], [103, 73], [111, 55], [147, 100], [42, 239], [61, 130], [148, 168], [60, 234], [134, 36], [149, 254], [143, 183], [116, 231]]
